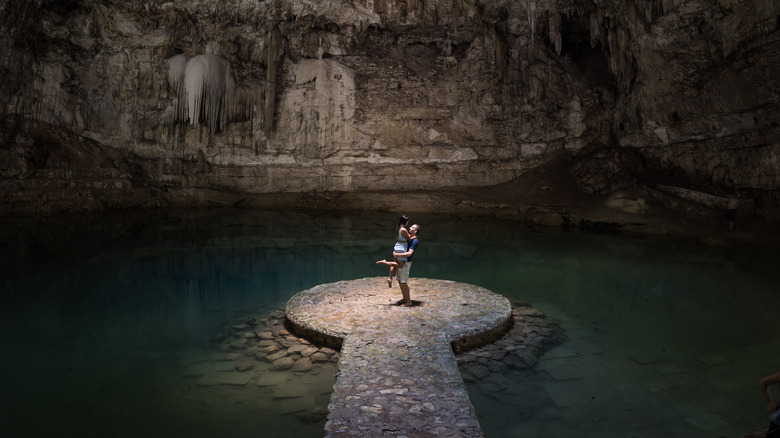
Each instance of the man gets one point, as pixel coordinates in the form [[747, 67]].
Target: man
[[774, 426], [731, 211], [402, 273]]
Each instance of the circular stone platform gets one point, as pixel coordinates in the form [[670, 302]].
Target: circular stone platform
[[466, 314], [397, 370]]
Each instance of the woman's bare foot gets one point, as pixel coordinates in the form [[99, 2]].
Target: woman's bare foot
[[390, 282]]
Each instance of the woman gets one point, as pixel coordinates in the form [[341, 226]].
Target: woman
[[401, 244]]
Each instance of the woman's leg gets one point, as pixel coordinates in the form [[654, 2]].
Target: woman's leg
[[395, 264]]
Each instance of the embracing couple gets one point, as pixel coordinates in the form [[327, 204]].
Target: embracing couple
[[405, 245]]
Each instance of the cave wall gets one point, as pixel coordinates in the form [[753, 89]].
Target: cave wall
[[338, 95]]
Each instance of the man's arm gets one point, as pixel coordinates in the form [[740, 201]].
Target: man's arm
[[765, 382], [408, 253], [404, 254]]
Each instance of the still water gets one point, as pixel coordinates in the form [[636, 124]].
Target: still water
[[101, 316]]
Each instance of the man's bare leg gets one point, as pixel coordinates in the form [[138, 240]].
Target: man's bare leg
[[407, 301], [398, 265]]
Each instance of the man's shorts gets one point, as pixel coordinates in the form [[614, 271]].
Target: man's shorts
[[403, 272]]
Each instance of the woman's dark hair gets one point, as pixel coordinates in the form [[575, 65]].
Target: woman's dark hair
[[402, 222]]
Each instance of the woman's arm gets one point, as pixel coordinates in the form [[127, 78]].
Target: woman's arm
[[405, 234]]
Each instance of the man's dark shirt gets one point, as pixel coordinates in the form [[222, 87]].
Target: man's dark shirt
[[412, 246]]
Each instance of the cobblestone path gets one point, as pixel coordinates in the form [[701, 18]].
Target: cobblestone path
[[397, 372]]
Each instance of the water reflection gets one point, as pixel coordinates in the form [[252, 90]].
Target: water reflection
[[100, 315]]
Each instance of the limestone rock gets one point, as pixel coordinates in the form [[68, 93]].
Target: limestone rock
[[465, 93], [328, 351], [319, 357], [270, 349], [527, 357], [306, 352], [244, 365], [303, 364], [14, 166], [278, 355], [528, 311], [296, 348], [238, 344], [480, 372], [281, 364], [605, 170], [266, 335]]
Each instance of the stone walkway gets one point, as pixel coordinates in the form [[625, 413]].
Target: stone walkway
[[397, 372]]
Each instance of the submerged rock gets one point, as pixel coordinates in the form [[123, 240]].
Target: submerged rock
[[278, 355], [284, 363], [303, 364], [319, 357], [519, 349], [245, 365]]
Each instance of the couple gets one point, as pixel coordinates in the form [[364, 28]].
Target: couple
[[405, 245]]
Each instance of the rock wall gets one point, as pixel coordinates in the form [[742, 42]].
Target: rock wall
[[350, 95]]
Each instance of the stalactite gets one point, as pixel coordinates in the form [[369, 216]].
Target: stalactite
[[595, 30], [416, 8], [380, 7], [531, 7], [501, 56], [632, 13], [206, 81], [613, 50], [206, 90], [649, 8], [269, 103], [555, 25], [456, 8], [668, 5], [618, 40], [176, 69], [654, 8]]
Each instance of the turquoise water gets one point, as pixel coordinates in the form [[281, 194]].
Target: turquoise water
[[100, 315]]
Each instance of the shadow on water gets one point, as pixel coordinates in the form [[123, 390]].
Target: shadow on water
[[101, 315]]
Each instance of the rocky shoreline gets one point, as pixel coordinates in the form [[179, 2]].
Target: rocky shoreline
[[546, 196], [519, 349], [260, 350], [268, 340]]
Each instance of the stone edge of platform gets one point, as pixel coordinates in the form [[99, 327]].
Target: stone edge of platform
[[486, 336], [477, 338], [313, 335]]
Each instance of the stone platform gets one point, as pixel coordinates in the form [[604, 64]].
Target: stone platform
[[397, 372]]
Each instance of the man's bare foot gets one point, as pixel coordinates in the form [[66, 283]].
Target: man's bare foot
[[409, 304]]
